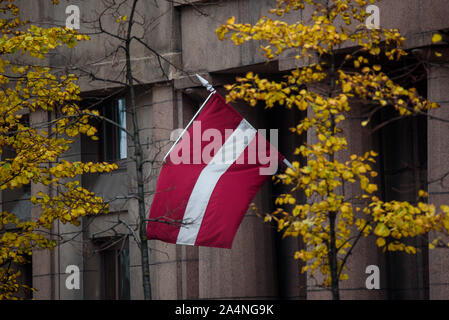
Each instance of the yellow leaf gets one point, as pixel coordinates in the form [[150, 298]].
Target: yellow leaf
[[423, 194], [371, 188], [231, 20], [380, 242], [382, 230], [436, 37], [91, 131], [445, 209], [346, 87]]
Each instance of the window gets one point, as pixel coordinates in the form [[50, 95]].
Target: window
[[402, 146], [16, 200], [115, 276], [25, 278], [114, 144]]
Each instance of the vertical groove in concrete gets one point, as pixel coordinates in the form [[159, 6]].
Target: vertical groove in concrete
[[438, 164]]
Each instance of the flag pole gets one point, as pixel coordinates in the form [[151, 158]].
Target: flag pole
[[288, 164], [209, 88]]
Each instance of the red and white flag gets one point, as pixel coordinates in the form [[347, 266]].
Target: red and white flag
[[209, 179]]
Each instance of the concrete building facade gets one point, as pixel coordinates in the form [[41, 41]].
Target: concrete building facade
[[260, 265]]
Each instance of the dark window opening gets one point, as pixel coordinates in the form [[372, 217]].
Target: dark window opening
[[291, 283], [115, 275], [112, 143], [25, 277], [16, 200], [402, 164], [113, 138]]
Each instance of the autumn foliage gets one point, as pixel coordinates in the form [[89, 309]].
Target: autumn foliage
[[329, 223], [31, 152]]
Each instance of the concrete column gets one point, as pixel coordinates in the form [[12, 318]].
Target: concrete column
[[438, 164], [365, 252], [188, 257], [70, 252], [248, 270], [173, 268], [163, 256], [42, 259]]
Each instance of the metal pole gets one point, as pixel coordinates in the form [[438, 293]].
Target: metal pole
[[288, 164], [209, 88]]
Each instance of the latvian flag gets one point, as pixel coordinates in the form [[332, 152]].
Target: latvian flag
[[209, 179]]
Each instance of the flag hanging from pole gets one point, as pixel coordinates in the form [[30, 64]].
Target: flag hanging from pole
[[210, 177]]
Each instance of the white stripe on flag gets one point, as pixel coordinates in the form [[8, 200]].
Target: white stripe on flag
[[229, 152]]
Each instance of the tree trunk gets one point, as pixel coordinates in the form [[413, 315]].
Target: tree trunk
[[140, 197], [138, 154], [332, 255]]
